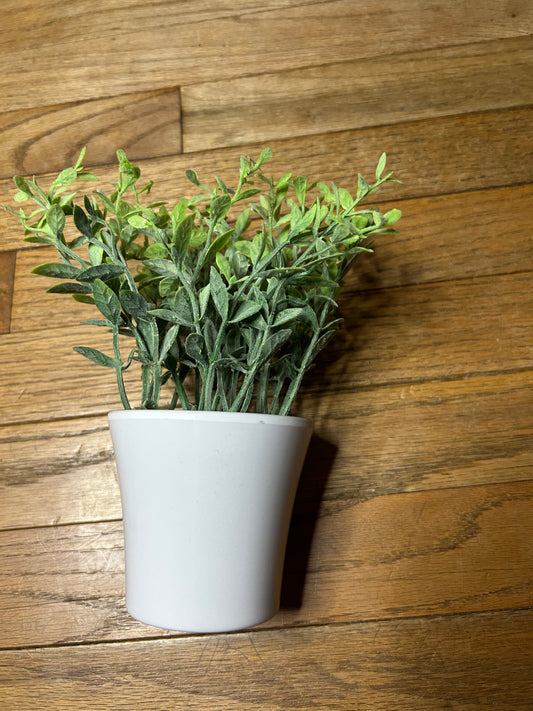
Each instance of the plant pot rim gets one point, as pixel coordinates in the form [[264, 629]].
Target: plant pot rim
[[244, 418]]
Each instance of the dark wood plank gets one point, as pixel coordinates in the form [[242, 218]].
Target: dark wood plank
[[41, 139], [129, 47], [7, 281], [420, 553], [367, 442], [358, 93]]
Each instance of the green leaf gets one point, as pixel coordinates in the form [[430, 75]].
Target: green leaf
[[164, 267], [66, 177], [242, 223], [134, 304], [217, 245], [362, 187], [224, 266], [96, 356], [286, 316], [106, 301], [381, 165], [55, 218], [137, 221], [245, 310], [203, 298], [274, 343], [169, 340], [300, 188], [392, 216], [219, 293], [97, 322], [156, 251], [101, 271], [70, 288], [195, 348], [57, 270], [192, 176]]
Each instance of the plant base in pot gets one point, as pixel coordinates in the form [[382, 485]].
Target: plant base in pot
[[207, 500]]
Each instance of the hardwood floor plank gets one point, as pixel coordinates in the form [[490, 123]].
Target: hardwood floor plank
[[358, 93], [59, 472], [446, 330], [367, 443], [41, 139], [191, 38], [460, 161], [414, 554], [420, 254], [397, 665], [7, 281]]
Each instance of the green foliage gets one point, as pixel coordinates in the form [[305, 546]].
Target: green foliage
[[229, 296]]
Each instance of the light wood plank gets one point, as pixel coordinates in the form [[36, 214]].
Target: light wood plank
[[367, 442], [394, 665], [7, 280], [196, 42], [420, 254], [421, 553], [427, 332], [358, 93], [41, 139], [460, 161], [57, 472]]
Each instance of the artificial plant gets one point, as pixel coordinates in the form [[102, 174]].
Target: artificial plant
[[227, 296]]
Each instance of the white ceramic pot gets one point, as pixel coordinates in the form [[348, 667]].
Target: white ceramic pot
[[207, 499]]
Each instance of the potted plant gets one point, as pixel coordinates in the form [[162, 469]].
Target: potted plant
[[225, 298]]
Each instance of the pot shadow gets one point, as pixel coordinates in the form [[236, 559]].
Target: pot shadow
[[315, 473]]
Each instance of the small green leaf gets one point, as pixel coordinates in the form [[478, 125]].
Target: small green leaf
[[203, 298], [57, 270], [219, 293], [224, 266], [134, 304], [156, 250], [96, 356], [164, 267], [66, 177], [195, 347], [300, 188], [362, 187], [245, 310], [106, 301], [70, 288], [168, 341], [381, 165], [55, 218], [101, 271], [286, 316], [192, 176], [392, 216]]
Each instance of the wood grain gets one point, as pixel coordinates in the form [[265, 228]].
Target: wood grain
[[41, 139], [460, 163], [400, 664], [367, 442], [358, 93], [415, 554], [140, 47], [7, 280]]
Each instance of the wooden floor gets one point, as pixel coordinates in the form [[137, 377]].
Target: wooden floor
[[408, 583]]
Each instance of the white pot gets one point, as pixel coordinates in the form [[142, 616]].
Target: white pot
[[206, 499]]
